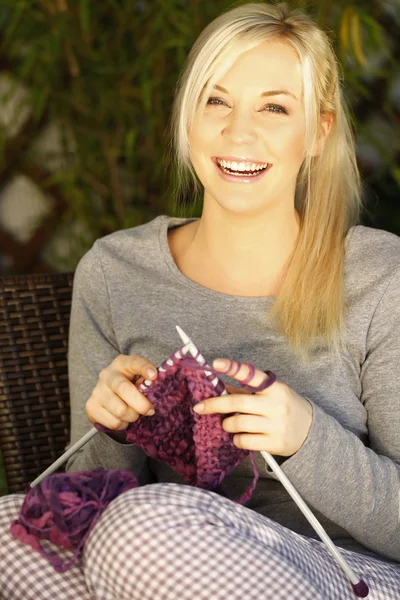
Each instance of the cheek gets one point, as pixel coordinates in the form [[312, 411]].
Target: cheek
[[201, 137], [291, 142], [202, 144], [197, 142], [288, 140]]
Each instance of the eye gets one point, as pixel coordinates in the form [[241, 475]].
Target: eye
[[277, 108], [214, 100], [274, 108]]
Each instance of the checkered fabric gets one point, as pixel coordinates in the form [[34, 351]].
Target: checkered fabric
[[168, 541], [27, 575]]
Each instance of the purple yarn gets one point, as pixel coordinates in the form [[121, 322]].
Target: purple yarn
[[195, 446], [64, 508]]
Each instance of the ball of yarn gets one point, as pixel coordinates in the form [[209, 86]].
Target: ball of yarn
[[63, 509]]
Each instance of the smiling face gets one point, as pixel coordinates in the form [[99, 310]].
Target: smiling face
[[243, 122]]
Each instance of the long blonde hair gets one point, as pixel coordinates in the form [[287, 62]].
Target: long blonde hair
[[310, 307]]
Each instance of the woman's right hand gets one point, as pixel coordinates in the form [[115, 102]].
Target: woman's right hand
[[116, 401]]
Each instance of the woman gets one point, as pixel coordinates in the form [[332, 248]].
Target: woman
[[277, 273]]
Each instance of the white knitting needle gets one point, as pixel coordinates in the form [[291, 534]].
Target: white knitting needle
[[285, 481], [92, 432]]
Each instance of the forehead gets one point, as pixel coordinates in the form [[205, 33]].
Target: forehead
[[270, 65]]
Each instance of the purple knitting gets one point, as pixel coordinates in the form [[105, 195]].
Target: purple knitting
[[65, 507], [195, 446]]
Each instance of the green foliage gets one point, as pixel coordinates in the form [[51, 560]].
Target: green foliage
[[105, 73]]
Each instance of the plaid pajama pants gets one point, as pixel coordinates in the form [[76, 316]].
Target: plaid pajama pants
[[167, 541]]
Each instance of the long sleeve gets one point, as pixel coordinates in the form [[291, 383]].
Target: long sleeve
[[93, 346], [356, 486]]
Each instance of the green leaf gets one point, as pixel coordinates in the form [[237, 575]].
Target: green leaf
[[146, 88], [130, 141], [84, 16], [174, 42], [39, 99], [108, 222], [376, 32], [18, 10], [396, 175]]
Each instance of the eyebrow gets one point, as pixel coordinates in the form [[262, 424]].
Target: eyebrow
[[267, 93]]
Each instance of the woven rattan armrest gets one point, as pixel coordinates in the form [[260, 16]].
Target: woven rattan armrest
[[34, 393]]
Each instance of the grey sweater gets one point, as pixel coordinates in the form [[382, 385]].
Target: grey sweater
[[128, 296]]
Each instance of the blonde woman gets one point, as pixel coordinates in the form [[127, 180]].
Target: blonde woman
[[275, 272]]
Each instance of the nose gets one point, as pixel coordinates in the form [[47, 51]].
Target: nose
[[240, 127]]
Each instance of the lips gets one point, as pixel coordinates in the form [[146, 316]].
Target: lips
[[244, 178]]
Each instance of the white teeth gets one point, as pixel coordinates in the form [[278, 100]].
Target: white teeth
[[242, 166]]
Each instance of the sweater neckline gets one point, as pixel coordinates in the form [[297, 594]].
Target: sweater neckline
[[166, 223]]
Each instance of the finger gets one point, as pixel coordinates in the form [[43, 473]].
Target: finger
[[120, 409], [246, 423], [130, 365], [129, 393], [105, 418], [112, 404], [249, 377], [252, 441], [231, 403]]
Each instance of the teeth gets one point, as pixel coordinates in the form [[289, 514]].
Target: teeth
[[242, 166]]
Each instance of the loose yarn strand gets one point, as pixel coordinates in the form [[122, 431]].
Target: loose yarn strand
[[65, 507]]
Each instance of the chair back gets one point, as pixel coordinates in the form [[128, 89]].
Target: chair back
[[34, 392]]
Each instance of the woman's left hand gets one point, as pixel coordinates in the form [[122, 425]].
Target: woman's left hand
[[276, 420]]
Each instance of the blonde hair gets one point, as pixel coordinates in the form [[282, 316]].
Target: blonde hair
[[310, 307]]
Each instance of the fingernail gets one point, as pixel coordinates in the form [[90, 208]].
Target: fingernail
[[199, 407], [151, 372], [219, 363], [151, 412]]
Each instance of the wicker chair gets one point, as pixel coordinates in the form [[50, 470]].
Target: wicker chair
[[34, 393]]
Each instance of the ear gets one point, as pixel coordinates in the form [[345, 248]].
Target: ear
[[325, 127]]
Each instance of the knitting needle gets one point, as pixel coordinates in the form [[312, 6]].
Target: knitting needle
[[92, 432], [359, 587]]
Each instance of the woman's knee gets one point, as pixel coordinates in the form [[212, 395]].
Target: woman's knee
[[147, 544]]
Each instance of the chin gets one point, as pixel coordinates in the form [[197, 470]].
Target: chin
[[238, 205]]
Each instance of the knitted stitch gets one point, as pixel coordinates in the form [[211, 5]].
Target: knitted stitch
[[64, 508], [195, 446]]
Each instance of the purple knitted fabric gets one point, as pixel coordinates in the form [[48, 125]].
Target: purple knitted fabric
[[195, 446], [64, 508]]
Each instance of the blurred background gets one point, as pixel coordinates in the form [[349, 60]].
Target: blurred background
[[85, 95]]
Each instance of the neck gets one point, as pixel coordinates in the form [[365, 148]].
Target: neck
[[234, 237], [247, 249]]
